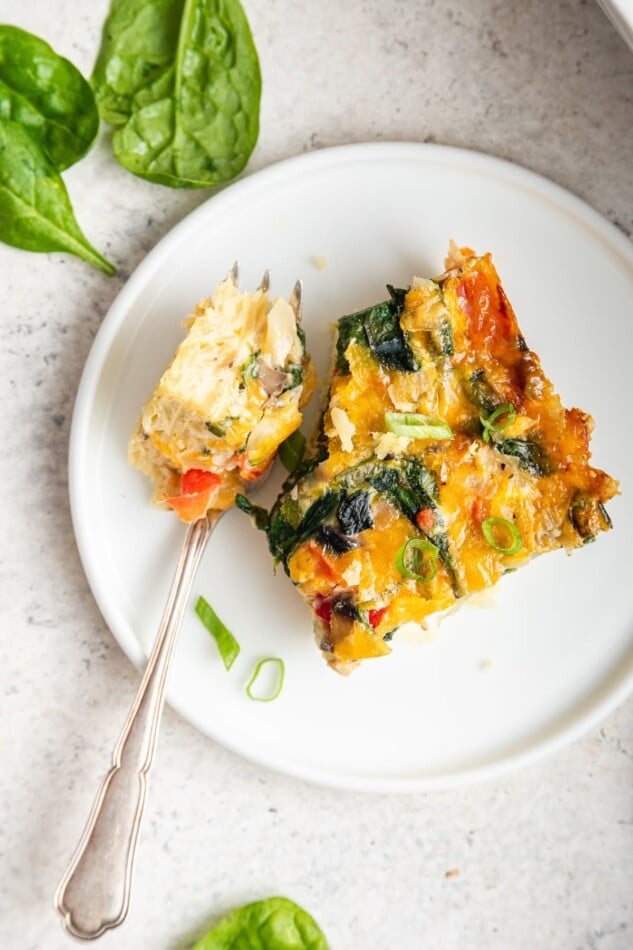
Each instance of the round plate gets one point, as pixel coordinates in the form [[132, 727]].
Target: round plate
[[503, 680]]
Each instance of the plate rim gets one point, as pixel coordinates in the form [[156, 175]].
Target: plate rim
[[518, 175]]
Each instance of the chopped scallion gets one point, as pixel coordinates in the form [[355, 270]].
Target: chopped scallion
[[413, 425], [292, 449], [506, 413], [421, 550], [226, 642], [490, 528], [274, 682]]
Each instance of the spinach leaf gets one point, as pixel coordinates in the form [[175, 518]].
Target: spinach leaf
[[317, 513], [318, 453], [138, 46], [481, 392], [397, 491], [398, 295], [377, 328], [386, 339], [360, 474], [47, 95], [354, 514], [259, 515], [410, 487], [407, 484], [284, 536], [273, 924], [332, 539], [530, 455], [349, 328], [422, 482], [181, 80], [35, 211]]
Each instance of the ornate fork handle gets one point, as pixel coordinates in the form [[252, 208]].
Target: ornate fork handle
[[94, 894]]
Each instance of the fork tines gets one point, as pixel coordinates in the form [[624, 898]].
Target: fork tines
[[264, 285]]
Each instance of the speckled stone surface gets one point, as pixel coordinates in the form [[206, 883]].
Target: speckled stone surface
[[541, 859]]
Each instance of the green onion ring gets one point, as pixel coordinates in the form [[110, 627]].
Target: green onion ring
[[488, 526], [489, 423], [416, 426], [418, 544], [226, 642], [280, 680]]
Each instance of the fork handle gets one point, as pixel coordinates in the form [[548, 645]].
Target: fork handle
[[94, 894]]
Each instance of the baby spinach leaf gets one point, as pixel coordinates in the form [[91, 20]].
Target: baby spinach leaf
[[35, 210], [139, 42], [273, 924], [47, 95], [181, 80]]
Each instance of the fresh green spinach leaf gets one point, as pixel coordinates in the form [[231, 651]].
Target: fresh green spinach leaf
[[35, 210], [181, 81], [138, 46], [273, 924], [47, 95]]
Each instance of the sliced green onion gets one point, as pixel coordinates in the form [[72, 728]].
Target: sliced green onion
[[292, 449], [427, 551], [250, 367], [488, 527], [507, 410], [415, 426], [226, 642], [277, 683]]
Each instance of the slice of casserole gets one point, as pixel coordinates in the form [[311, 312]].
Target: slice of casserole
[[444, 460], [231, 395]]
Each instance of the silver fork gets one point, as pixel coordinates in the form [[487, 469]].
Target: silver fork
[[94, 893]]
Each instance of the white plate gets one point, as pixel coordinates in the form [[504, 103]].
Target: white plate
[[500, 684], [620, 12]]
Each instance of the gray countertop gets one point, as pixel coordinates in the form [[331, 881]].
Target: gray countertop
[[542, 858]]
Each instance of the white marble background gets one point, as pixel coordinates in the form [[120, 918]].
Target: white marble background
[[545, 856]]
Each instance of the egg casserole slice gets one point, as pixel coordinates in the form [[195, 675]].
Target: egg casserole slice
[[231, 395], [444, 460]]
